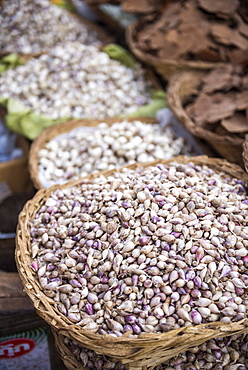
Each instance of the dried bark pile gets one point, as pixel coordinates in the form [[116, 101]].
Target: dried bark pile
[[206, 30], [221, 103]]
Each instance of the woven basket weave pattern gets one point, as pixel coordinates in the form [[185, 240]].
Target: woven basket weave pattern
[[140, 353]]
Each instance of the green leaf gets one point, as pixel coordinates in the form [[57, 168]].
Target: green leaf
[[149, 110], [117, 52], [10, 59], [13, 123], [3, 68], [16, 107]]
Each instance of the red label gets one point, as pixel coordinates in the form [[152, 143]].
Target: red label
[[16, 347]]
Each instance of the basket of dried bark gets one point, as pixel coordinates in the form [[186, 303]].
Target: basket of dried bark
[[169, 39], [213, 106], [140, 263]]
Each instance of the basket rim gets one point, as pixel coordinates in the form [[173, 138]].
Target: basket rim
[[175, 102], [137, 347]]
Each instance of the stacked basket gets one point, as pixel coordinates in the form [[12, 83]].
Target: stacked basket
[[147, 349]]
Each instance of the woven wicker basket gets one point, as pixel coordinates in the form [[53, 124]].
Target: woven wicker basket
[[51, 132], [182, 85], [68, 358], [164, 67], [148, 350], [245, 153]]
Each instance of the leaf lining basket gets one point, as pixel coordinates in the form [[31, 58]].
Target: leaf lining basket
[[181, 86], [148, 350]]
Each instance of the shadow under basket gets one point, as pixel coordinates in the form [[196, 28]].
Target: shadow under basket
[[148, 349], [183, 85]]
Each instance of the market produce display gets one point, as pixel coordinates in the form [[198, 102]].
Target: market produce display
[[37, 26], [87, 149], [228, 353], [173, 32], [145, 250], [134, 249], [72, 81]]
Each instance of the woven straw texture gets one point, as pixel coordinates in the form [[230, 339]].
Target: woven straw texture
[[69, 360], [140, 353], [245, 153], [165, 67], [51, 132], [183, 85]]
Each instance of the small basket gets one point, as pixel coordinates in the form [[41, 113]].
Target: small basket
[[51, 132], [148, 350], [181, 86], [164, 67]]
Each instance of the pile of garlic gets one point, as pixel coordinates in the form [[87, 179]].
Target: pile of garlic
[[77, 81], [36, 26], [86, 150]]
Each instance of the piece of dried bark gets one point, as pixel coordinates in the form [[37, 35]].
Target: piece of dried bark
[[221, 7], [190, 43], [238, 123], [214, 107], [141, 6], [218, 79], [242, 100], [220, 103], [243, 27], [228, 36], [169, 50], [239, 57], [208, 55]]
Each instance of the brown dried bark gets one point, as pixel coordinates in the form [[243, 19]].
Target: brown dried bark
[[206, 30], [221, 102]]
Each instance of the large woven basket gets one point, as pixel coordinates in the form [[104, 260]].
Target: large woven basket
[[164, 67], [148, 350], [181, 86], [51, 132]]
